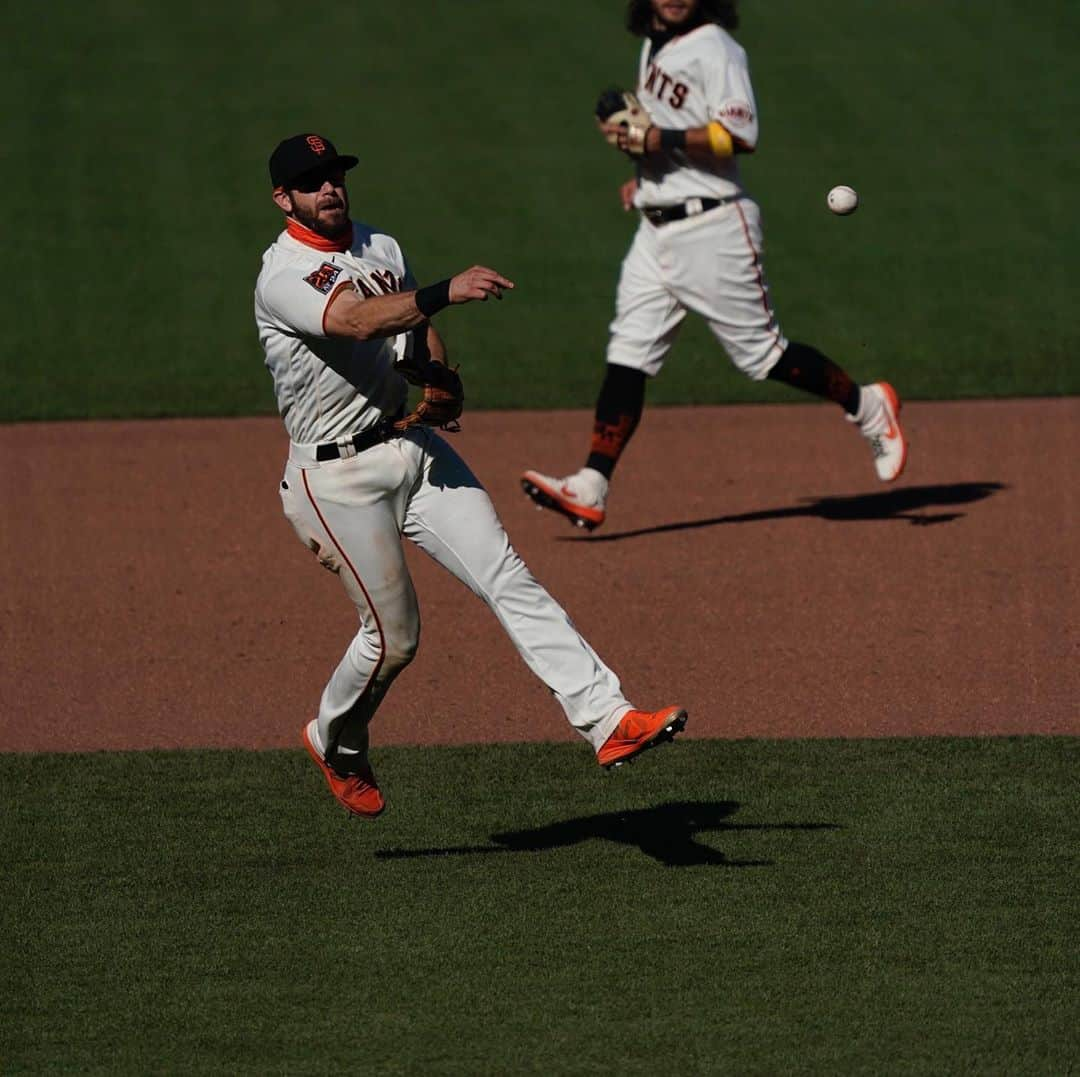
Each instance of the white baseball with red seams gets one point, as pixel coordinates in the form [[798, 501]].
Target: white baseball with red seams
[[710, 262], [842, 200]]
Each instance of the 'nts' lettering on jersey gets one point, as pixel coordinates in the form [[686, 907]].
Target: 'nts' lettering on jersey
[[678, 91]]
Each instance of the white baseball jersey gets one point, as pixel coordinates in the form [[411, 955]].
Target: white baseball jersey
[[328, 387], [695, 79], [710, 262]]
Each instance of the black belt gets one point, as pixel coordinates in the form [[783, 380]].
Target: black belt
[[690, 208], [382, 431]]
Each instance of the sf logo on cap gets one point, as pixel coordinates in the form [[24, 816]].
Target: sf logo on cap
[[317, 145]]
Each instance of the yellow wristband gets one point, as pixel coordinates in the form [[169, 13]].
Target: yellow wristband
[[720, 141]]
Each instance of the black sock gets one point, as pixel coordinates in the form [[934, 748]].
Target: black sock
[[618, 412], [804, 367]]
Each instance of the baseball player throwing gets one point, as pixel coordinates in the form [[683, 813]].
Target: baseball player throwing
[[697, 247], [345, 330]]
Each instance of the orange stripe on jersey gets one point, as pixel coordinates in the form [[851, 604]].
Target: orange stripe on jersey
[[344, 286]]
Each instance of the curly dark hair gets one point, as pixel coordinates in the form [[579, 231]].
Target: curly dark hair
[[639, 14]]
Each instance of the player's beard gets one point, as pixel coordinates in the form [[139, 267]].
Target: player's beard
[[331, 216]]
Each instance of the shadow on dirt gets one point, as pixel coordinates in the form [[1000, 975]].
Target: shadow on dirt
[[905, 503], [667, 833]]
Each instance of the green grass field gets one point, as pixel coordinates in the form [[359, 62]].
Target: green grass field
[[739, 907], [139, 204]]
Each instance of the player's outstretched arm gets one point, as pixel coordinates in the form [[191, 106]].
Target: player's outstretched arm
[[348, 315]]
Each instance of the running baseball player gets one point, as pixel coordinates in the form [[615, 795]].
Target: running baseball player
[[697, 247], [345, 330]]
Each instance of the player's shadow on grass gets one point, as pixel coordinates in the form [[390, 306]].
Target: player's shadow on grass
[[905, 503], [666, 833]]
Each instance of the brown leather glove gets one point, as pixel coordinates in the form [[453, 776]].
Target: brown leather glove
[[443, 398]]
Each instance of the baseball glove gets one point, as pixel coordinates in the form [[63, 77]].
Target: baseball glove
[[443, 396], [624, 109]]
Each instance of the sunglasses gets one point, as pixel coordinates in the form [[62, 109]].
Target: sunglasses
[[310, 182]]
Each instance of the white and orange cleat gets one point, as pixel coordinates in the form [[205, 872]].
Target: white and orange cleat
[[639, 731], [580, 497], [357, 793], [878, 419]]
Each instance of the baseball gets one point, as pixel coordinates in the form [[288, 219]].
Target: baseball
[[843, 200]]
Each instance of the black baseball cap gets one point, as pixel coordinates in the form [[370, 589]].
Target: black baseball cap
[[304, 153]]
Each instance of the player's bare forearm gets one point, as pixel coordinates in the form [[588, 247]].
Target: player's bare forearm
[[387, 315], [368, 319]]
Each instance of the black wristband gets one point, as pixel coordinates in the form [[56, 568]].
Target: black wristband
[[672, 139], [433, 298]]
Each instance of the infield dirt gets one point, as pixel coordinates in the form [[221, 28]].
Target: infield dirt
[[751, 569]]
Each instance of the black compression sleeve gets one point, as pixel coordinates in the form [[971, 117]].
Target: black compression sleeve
[[804, 367], [618, 411]]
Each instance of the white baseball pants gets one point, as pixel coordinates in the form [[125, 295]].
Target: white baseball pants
[[709, 264], [353, 514]]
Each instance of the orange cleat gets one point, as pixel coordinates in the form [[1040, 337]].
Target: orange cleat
[[637, 732], [357, 793]]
